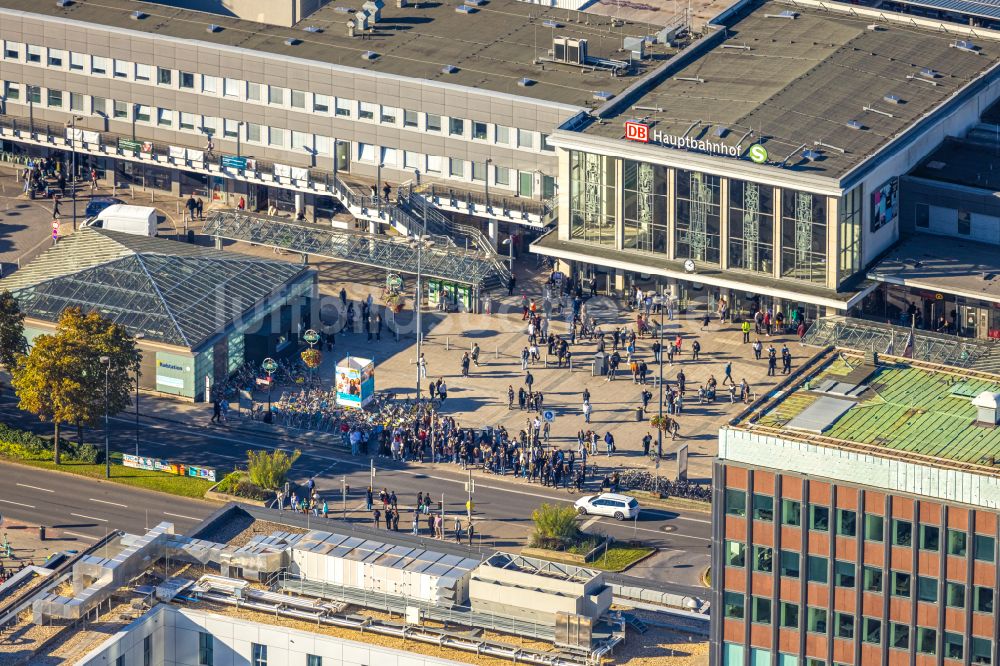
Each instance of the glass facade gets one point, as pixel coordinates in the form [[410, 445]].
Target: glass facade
[[698, 221], [644, 220], [592, 198], [803, 236], [849, 243], [751, 226]]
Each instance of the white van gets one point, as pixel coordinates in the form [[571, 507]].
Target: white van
[[140, 220]]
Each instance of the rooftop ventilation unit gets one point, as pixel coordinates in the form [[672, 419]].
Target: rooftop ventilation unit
[[811, 155], [213, 28], [449, 69], [525, 82], [291, 41], [739, 47], [603, 95], [636, 46], [64, 3], [549, 23], [343, 10], [374, 9], [875, 27], [965, 45], [929, 73], [313, 28], [691, 79], [892, 99], [721, 131], [987, 406], [465, 9], [855, 125], [137, 15], [475, 3], [570, 50], [369, 55], [786, 14]]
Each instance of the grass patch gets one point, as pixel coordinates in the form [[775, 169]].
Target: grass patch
[[619, 557], [185, 486]]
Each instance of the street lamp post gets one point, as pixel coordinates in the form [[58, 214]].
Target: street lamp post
[[106, 360], [72, 147], [659, 430], [138, 336], [135, 113], [312, 337], [269, 365]]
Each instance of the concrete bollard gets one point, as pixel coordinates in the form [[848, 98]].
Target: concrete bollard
[[496, 351]]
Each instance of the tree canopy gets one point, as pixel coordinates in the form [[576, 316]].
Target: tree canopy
[[12, 340]]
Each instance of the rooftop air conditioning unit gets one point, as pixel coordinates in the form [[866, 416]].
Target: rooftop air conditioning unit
[[567, 49]]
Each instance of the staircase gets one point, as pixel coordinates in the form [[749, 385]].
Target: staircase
[[634, 622]]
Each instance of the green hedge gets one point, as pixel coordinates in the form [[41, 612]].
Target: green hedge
[[24, 445]]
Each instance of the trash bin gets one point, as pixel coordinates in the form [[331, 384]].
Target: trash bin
[[638, 414], [190, 235], [600, 364]]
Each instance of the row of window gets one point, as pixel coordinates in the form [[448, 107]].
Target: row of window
[[902, 584], [845, 523], [261, 93], [274, 137], [870, 630]]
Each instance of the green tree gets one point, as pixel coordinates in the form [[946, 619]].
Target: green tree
[[269, 469], [555, 526], [12, 340], [63, 380]]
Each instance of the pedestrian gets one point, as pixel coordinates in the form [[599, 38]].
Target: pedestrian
[[242, 205], [646, 442], [746, 331], [376, 518], [216, 411], [510, 397], [772, 361], [470, 529], [475, 354], [422, 367], [801, 331], [386, 191], [55, 207], [646, 397], [681, 380], [609, 441], [326, 510], [587, 409], [189, 206], [695, 350], [529, 379], [369, 498], [416, 522], [757, 348], [466, 361], [458, 530], [729, 374]]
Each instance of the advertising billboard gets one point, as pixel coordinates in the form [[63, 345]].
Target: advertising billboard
[[885, 204], [355, 378]]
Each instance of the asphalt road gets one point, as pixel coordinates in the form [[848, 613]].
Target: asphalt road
[[503, 507]]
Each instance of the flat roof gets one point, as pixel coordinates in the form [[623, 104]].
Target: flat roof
[[794, 76], [911, 410], [985, 9], [961, 162], [493, 47], [943, 264]]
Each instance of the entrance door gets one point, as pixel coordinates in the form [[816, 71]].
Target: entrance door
[[343, 156], [525, 183]]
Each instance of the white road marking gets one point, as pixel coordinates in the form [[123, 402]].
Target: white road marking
[[82, 536], [44, 490], [106, 502], [589, 523], [177, 515], [28, 506], [80, 515]]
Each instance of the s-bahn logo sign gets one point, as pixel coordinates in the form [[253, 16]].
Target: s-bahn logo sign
[[636, 131]]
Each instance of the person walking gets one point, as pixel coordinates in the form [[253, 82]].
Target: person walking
[[466, 361], [695, 350], [728, 374], [757, 348], [746, 331], [216, 411], [377, 518], [470, 529], [656, 351], [422, 367], [609, 442], [772, 361], [587, 410], [647, 395], [529, 379], [475, 354], [190, 205]]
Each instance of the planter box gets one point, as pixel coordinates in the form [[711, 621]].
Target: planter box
[[563, 556], [211, 494]]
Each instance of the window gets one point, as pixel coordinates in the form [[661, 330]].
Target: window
[[789, 564], [411, 160], [206, 648], [791, 513], [120, 69], [479, 130], [77, 62], [546, 146], [11, 91], [76, 102], [314, 660], [254, 132], [276, 136], [789, 615], [56, 57], [901, 584], [366, 110], [899, 636], [323, 144], [982, 651], [120, 660], [922, 215], [34, 53], [874, 528], [253, 91], [982, 599], [478, 171], [927, 589], [210, 84], [503, 135], [121, 109], [736, 502], [343, 108], [984, 547], [953, 644], [188, 120], [164, 117], [143, 72], [164, 76], [845, 626], [816, 620], [902, 533], [35, 94], [321, 103], [99, 106], [298, 99], [210, 125], [846, 522], [187, 80], [388, 115], [433, 164], [926, 640], [275, 95], [803, 236], [964, 222], [819, 518], [761, 608], [732, 605], [231, 88], [410, 118], [763, 559], [54, 99], [98, 65], [957, 543], [433, 122], [525, 139], [763, 507], [11, 50], [456, 167], [954, 595], [456, 127], [930, 537], [843, 574], [871, 630], [871, 579], [142, 113], [302, 141], [366, 152], [501, 175], [258, 654], [230, 128], [816, 569], [147, 651]]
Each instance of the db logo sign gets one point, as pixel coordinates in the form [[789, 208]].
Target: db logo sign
[[636, 131]]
